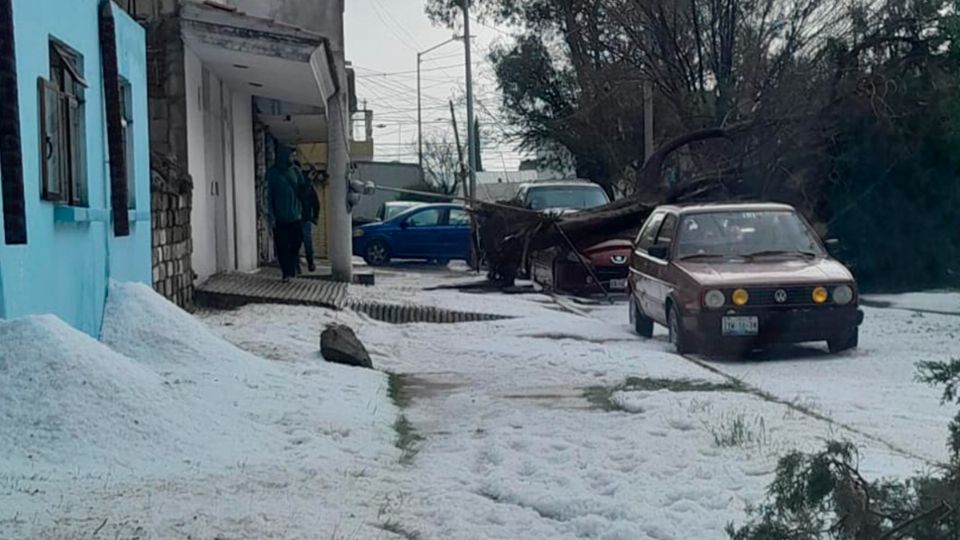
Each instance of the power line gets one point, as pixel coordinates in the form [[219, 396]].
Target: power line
[[374, 73], [375, 4]]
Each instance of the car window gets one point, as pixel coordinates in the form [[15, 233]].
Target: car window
[[566, 197], [742, 234], [667, 230], [458, 217], [650, 230], [426, 218]]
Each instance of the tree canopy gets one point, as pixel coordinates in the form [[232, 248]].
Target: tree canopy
[[846, 109]]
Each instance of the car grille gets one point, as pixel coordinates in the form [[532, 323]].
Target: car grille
[[766, 296], [608, 273]]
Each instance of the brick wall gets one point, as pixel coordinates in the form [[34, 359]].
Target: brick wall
[[171, 201]]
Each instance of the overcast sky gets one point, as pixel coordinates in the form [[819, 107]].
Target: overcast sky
[[382, 40]]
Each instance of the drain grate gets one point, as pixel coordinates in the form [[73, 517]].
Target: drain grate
[[403, 314]]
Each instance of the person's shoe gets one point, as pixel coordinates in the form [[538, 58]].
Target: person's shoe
[[285, 280], [311, 267]]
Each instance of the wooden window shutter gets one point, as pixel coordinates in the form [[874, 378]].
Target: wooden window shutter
[[11, 152], [111, 82]]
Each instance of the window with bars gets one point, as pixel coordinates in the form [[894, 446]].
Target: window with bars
[[126, 126], [62, 128]]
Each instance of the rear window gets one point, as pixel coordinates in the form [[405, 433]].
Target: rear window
[[566, 197]]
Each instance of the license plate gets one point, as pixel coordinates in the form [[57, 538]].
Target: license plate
[[618, 283], [741, 326]]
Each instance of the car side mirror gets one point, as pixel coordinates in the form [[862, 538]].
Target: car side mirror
[[659, 251], [404, 224]]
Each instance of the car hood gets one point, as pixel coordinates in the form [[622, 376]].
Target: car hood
[[616, 244], [773, 272]]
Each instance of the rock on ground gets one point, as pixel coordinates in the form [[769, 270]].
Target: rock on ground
[[339, 344]]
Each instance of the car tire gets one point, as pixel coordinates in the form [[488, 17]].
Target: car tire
[[678, 336], [844, 342], [377, 253], [642, 325]]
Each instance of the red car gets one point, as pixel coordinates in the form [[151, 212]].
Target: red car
[[741, 277], [561, 268]]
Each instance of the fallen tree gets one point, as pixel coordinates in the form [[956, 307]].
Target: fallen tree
[[506, 234]]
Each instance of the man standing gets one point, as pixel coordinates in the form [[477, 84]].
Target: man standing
[[310, 204], [283, 187]]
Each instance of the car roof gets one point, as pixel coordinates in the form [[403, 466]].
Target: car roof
[[701, 208], [559, 183], [427, 206], [402, 203]]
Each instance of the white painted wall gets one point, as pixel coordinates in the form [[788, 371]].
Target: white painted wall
[[202, 214], [244, 182]]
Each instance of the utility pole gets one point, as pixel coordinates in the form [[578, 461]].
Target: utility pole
[[419, 120], [456, 137], [471, 142], [338, 161], [419, 106]]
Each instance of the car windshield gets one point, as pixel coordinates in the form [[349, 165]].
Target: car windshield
[[566, 197], [391, 211], [745, 234]]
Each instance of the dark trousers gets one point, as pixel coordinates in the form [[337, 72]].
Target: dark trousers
[[287, 237], [308, 242]]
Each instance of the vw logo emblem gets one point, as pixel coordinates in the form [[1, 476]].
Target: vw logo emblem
[[780, 296], [618, 259]]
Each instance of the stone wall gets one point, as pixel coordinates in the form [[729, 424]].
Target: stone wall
[[171, 200], [171, 190]]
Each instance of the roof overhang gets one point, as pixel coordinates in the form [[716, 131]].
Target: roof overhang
[[261, 56]]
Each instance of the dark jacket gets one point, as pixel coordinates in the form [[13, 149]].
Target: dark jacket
[[283, 186], [309, 201]]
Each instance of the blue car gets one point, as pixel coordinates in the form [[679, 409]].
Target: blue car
[[433, 232]]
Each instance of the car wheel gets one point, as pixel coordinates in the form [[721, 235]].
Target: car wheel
[[848, 340], [377, 253], [678, 335], [642, 325]]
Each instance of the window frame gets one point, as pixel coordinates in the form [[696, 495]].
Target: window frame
[[129, 144], [655, 221], [439, 211], [663, 227], [463, 211], [63, 151]]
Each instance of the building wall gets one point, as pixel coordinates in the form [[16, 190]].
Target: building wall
[[65, 267], [130, 256], [171, 185], [245, 181], [321, 16], [202, 223], [399, 175], [220, 158]]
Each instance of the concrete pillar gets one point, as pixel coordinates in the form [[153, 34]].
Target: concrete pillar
[[338, 159]]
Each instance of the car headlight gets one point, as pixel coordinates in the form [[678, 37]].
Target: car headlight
[[714, 299], [740, 297], [843, 294], [820, 295], [357, 233]]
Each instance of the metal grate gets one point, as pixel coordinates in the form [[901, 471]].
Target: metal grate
[[404, 314], [234, 290]]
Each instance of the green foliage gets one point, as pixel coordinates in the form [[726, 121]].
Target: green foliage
[[822, 495]]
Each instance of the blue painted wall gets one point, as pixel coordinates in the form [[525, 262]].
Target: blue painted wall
[[71, 256]]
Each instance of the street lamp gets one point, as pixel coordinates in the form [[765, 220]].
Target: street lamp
[[419, 106]]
